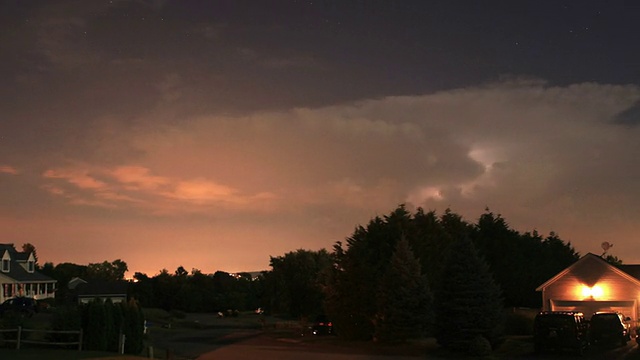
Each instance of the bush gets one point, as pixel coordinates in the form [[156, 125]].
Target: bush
[[479, 346], [178, 314], [518, 324], [11, 320], [96, 325], [133, 327], [65, 318]]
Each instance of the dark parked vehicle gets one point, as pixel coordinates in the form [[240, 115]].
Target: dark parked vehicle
[[609, 328], [557, 330], [23, 305], [322, 326]]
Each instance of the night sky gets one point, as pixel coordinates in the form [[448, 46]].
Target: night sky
[[213, 134]]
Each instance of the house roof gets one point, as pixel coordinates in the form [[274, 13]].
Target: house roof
[[630, 272], [16, 271], [631, 269], [10, 248], [74, 282], [101, 288]]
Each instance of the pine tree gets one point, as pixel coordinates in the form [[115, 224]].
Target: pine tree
[[404, 299], [110, 329], [118, 323], [133, 327], [353, 284], [95, 337], [468, 303]]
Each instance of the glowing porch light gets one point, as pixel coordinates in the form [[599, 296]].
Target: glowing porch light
[[594, 292]]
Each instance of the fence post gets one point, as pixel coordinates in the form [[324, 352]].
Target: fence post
[[80, 340], [18, 339], [123, 339]]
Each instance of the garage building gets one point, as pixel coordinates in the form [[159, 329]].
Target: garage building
[[591, 284]]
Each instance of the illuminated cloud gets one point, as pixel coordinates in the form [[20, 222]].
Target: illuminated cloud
[[138, 177], [6, 169], [134, 187], [545, 157]]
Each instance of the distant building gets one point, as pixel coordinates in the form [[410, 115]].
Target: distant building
[[18, 276], [74, 282], [85, 291], [591, 284]]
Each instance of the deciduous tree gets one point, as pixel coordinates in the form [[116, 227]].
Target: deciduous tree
[[297, 283]]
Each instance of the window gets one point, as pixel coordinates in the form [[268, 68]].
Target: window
[[31, 266], [5, 265]]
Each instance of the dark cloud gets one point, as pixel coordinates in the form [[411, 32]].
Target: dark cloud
[[629, 117]]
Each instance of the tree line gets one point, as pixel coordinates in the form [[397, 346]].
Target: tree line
[[181, 290], [407, 275], [399, 276]]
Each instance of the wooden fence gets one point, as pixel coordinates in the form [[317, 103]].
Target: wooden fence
[[20, 331]]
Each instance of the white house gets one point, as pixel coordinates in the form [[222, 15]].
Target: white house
[[18, 276]]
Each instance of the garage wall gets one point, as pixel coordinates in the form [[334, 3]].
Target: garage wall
[[628, 308], [620, 293]]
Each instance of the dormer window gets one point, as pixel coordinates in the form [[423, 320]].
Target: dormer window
[[31, 266], [5, 265]]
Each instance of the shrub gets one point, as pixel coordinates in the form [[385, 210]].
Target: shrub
[[178, 314], [11, 320], [112, 325], [479, 346], [96, 326], [133, 327], [518, 324], [65, 318]]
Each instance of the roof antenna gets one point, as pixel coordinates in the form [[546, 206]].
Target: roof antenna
[[605, 246]]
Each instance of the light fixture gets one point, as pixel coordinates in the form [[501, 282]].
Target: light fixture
[[593, 292]]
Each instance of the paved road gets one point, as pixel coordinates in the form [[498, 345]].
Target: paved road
[[250, 352], [255, 349]]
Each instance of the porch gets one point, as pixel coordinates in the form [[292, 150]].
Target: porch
[[36, 290]]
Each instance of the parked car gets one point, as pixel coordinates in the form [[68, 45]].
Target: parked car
[[23, 305], [322, 326], [609, 328], [558, 330]]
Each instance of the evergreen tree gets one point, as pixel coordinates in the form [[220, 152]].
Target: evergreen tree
[[431, 243], [468, 303], [404, 298], [111, 330], [355, 277], [133, 327], [94, 321], [519, 262], [505, 253]]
